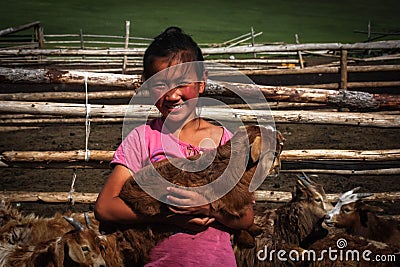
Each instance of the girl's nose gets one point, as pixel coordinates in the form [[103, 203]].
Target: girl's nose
[[172, 95]]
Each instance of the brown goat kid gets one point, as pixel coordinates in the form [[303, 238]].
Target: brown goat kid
[[289, 227], [254, 153], [78, 247], [360, 219]]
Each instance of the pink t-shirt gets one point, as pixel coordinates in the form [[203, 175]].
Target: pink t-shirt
[[150, 143]]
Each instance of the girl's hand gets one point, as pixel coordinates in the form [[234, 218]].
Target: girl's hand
[[188, 202], [189, 222]]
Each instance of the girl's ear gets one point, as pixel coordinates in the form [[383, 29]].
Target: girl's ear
[[202, 87]]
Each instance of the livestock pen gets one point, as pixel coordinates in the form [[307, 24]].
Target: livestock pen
[[341, 120]]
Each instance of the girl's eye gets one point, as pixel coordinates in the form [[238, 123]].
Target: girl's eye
[[159, 86]]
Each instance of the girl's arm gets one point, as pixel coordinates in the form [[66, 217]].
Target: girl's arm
[[110, 208]]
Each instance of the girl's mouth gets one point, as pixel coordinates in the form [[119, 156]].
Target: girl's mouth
[[175, 107]]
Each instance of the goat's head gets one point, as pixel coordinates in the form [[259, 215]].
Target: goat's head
[[80, 246], [311, 195], [263, 151], [349, 210]]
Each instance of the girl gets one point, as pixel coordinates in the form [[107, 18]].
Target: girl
[[178, 133]]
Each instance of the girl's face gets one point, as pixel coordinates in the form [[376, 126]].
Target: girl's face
[[175, 90]]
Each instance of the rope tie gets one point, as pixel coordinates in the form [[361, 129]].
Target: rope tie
[[87, 121], [71, 199]]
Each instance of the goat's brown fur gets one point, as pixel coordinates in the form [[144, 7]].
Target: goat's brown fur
[[288, 227], [259, 152], [360, 219]]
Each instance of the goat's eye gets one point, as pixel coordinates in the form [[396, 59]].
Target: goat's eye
[[346, 210], [85, 248], [318, 200]]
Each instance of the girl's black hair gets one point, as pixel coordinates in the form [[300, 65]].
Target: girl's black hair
[[172, 43]]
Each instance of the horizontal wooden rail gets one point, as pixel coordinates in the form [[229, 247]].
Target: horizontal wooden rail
[[90, 198], [343, 99], [287, 155], [219, 114], [391, 44]]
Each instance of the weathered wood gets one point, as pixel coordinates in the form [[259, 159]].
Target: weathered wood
[[49, 96], [390, 171], [317, 70], [124, 63], [287, 155], [343, 69], [332, 86], [392, 44], [220, 114], [89, 198], [72, 77], [353, 100], [279, 196], [56, 156], [18, 28]]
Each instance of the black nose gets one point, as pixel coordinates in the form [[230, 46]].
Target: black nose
[[327, 217]]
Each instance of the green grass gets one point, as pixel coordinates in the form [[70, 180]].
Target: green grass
[[211, 21]]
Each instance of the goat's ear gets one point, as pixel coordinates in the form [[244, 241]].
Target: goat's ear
[[75, 251], [256, 149], [368, 208]]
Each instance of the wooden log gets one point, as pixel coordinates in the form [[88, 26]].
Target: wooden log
[[389, 171], [317, 70], [332, 86], [71, 77], [392, 44], [279, 196], [353, 100], [287, 155], [49, 96], [57, 156], [219, 114], [10, 30], [90, 198]]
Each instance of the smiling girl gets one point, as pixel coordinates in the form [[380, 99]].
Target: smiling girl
[[175, 86]]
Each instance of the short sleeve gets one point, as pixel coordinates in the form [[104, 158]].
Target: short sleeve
[[129, 152]]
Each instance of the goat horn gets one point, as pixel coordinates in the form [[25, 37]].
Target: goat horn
[[77, 225], [362, 195], [304, 180], [87, 219]]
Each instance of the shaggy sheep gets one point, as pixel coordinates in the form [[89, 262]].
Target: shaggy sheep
[[78, 247], [359, 218], [289, 227]]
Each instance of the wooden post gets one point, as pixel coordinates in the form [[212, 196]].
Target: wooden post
[[343, 69], [127, 26], [369, 31], [252, 40], [299, 52], [41, 38], [81, 39]]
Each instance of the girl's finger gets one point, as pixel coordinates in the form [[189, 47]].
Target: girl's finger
[[180, 191]]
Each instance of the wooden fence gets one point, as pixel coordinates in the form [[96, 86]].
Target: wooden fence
[[356, 103]]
